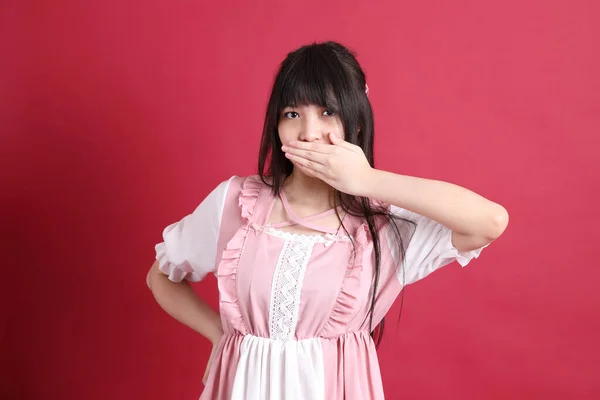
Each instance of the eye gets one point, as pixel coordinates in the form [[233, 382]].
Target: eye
[[329, 113], [291, 114]]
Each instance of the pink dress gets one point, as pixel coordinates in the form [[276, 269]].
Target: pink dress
[[294, 307]]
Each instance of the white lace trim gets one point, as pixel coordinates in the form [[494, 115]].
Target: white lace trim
[[286, 288], [327, 238]]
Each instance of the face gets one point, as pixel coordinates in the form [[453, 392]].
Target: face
[[308, 123]]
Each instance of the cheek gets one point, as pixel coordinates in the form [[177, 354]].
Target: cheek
[[338, 128], [286, 132]]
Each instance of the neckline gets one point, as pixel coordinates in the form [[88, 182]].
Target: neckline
[[304, 221], [306, 237]]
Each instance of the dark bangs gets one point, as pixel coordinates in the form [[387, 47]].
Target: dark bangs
[[307, 82], [317, 76]]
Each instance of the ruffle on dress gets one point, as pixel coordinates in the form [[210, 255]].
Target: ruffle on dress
[[227, 272], [344, 308]]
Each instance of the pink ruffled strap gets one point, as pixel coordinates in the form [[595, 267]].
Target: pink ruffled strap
[[249, 195], [344, 308], [227, 271]]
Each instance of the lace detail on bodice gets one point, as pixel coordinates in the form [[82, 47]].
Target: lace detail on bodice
[[301, 237], [286, 288], [326, 238]]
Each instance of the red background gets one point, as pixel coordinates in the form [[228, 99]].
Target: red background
[[118, 117]]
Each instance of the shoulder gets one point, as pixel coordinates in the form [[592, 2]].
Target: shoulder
[[387, 215], [240, 192], [220, 195], [239, 202], [235, 185]]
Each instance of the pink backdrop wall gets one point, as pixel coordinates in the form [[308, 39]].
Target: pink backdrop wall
[[118, 117]]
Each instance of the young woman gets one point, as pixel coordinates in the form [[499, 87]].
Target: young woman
[[311, 253]]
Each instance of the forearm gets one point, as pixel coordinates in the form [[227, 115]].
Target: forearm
[[456, 207], [181, 302]]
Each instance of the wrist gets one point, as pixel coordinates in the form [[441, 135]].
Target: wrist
[[368, 184], [216, 338]]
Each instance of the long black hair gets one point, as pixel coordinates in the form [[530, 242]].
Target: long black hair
[[327, 74]]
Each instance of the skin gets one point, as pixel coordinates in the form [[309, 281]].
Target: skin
[[312, 139], [307, 194], [181, 302], [319, 153]]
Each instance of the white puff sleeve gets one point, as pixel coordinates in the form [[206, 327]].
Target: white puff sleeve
[[428, 246], [189, 248]]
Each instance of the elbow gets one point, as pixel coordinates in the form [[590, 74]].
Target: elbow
[[499, 222], [149, 280], [151, 273]]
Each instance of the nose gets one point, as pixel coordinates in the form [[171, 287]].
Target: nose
[[312, 129]]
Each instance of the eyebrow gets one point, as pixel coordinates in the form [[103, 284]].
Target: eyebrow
[[330, 106]]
